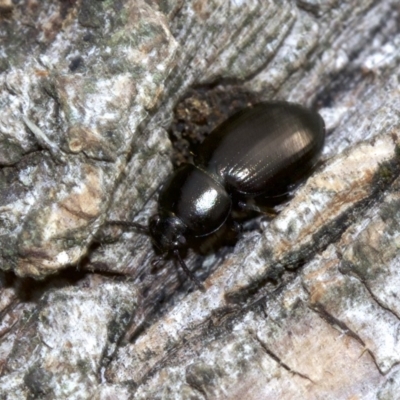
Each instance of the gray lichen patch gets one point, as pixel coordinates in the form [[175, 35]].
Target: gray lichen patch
[[75, 330], [75, 102], [53, 235], [94, 110], [23, 39]]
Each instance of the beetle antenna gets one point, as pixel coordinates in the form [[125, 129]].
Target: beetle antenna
[[127, 224], [187, 271]]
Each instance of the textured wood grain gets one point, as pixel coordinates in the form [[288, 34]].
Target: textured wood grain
[[306, 307]]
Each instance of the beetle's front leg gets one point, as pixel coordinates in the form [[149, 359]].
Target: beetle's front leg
[[250, 205]]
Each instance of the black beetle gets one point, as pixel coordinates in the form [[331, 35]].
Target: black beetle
[[263, 150]]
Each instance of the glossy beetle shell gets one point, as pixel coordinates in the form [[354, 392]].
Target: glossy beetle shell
[[199, 201], [262, 150]]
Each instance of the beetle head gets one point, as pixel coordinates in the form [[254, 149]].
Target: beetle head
[[167, 232]]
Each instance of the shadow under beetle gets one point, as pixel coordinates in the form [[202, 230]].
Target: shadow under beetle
[[261, 151]]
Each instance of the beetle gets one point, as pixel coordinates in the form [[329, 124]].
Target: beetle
[[262, 151]]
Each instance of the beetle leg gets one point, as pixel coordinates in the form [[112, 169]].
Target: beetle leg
[[156, 261], [236, 227], [187, 271], [264, 210], [128, 224]]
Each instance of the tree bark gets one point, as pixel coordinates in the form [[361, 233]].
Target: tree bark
[[98, 101]]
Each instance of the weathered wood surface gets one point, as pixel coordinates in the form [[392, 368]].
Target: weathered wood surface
[[306, 307]]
